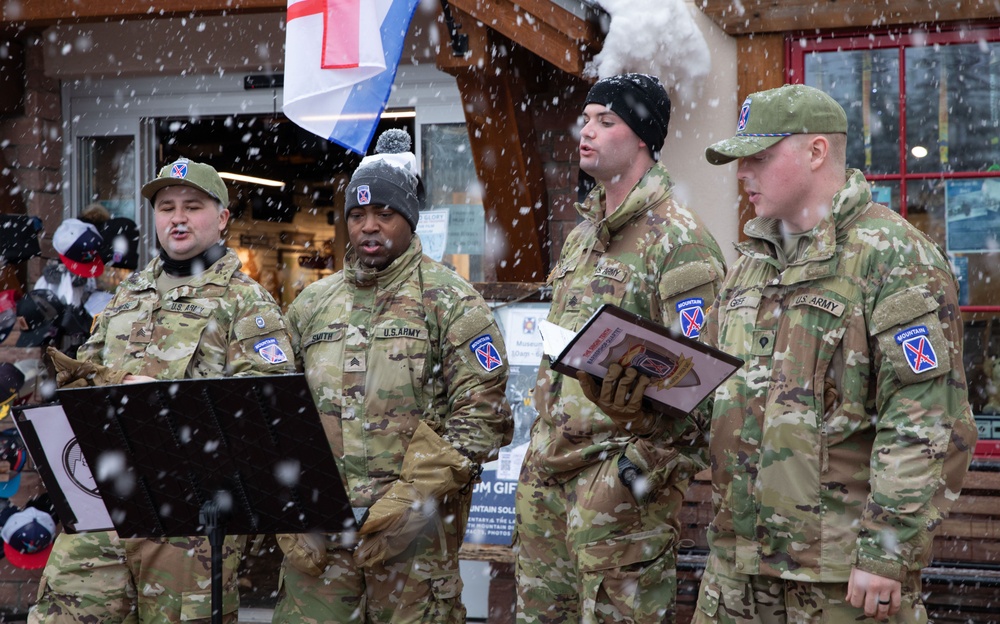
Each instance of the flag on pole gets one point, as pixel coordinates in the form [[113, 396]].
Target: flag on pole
[[340, 62]]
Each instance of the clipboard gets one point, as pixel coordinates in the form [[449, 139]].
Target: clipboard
[[683, 371]]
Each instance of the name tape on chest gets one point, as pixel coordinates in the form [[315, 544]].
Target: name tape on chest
[[611, 271], [916, 344], [186, 308], [827, 305], [743, 301], [415, 333]]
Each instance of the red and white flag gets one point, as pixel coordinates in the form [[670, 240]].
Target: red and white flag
[[340, 61]]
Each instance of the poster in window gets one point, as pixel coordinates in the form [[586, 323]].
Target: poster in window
[[972, 215], [432, 228], [960, 267]]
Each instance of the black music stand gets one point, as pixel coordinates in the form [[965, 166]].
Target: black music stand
[[215, 457]]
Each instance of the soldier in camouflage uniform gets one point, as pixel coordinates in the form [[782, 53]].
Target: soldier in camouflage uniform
[[190, 313], [594, 542], [408, 372], [839, 447]]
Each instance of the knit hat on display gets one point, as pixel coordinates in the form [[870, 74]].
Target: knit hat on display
[[389, 177], [78, 245], [768, 116], [184, 172], [642, 103]]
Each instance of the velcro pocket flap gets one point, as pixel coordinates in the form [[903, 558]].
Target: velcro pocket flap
[[910, 335], [687, 277], [625, 550], [258, 325], [469, 326], [902, 307]]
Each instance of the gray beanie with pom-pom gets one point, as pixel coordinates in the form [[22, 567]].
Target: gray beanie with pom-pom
[[388, 178]]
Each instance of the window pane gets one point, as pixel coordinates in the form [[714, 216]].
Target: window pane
[[982, 365], [107, 174], [454, 230], [886, 192], [938, 208], [952, 107], [866, 83]]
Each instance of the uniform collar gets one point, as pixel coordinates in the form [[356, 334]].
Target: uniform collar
[[219, 274], [650, 191], [819, 249]]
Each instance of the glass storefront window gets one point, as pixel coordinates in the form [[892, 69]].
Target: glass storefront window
[[868, 82], [953, 107], [107, 174], [453, 230]]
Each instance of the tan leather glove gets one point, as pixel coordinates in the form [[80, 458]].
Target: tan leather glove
[[72, 373], [620, 397], [306, 552], [432, 469]]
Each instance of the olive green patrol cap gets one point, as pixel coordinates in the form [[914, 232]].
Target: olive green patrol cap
[[184, 172], [766, 117]]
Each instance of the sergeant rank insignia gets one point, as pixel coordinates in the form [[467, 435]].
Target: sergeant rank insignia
[[486, 353], [269, 350], [692, 315], [917, 348]]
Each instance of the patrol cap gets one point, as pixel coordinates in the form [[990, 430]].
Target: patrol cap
[[184, 172], [767, 117], [27, 538]]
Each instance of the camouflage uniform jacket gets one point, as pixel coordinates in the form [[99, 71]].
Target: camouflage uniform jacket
[[385, 350], [221, 323], [845, 436], [652, 256]]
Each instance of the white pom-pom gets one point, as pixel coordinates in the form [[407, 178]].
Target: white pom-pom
[[393, 141]]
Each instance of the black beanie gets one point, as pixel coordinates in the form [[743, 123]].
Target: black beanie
[[642, 103], [388, 178]]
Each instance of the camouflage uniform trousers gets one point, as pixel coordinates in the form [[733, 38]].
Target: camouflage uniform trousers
[[421, 585], [100, 578], [587, 552], [728, 597]]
